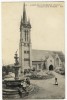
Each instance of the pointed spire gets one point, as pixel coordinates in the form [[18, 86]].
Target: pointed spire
[[24, 14]]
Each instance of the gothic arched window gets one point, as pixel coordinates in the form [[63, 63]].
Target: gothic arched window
[[25, 35], [57, 61]]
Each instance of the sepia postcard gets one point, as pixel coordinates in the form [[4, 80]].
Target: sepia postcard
[[33, 52]]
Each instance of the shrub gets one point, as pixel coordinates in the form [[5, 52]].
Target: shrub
[[60, 70]]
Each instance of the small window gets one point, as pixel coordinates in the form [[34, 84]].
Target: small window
[[28, 51], [24, 44], [39, 66], [26, 59], [25, 35], [28, 44], [24, 51], [50, 60]]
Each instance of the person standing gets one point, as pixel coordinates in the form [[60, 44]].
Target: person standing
[[56, 82]]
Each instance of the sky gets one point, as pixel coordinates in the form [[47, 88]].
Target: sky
[[47, 32]]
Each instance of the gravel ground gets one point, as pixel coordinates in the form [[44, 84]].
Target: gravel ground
[[45, 89]]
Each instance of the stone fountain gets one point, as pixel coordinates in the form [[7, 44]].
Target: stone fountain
[[10, 86]]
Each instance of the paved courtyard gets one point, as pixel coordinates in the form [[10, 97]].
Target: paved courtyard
[[47, 89]]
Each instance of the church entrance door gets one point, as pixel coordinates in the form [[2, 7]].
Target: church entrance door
[[51, 67]]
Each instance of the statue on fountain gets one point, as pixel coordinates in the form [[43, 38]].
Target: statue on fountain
[[16, 59], [16, 66]]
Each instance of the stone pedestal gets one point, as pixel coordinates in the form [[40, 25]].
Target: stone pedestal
[[16, 66], [16, 72]]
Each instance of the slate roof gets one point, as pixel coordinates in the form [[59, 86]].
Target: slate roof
[[40, 55]]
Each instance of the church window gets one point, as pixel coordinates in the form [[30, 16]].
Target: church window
[[24, 51], [39, 66], [57, 61], [28, 44], [25, 35], [24, 44], [28, 52], [50, 60], [26, 59]]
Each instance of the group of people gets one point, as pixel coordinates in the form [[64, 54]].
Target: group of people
[[23, 88]]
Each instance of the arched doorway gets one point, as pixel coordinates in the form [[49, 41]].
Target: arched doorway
[[51, 67]]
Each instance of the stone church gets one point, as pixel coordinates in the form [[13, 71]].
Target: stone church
[[38, 59]]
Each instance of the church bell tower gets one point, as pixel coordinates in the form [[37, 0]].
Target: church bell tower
[[25, 42]]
